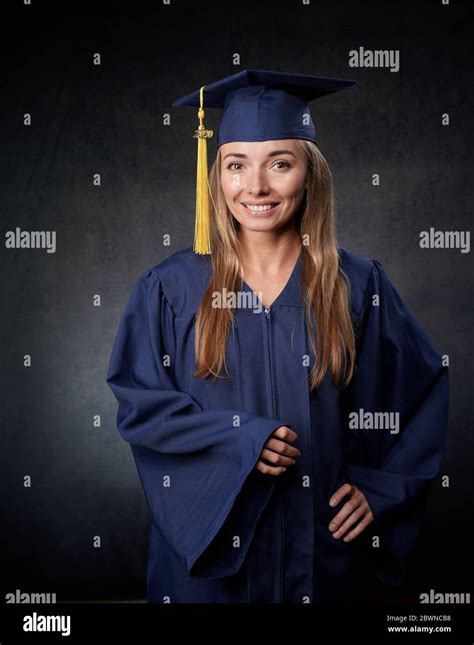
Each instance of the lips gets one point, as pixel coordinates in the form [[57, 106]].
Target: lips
[[263, 207]]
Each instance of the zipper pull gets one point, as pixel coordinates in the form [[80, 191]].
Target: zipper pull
[[268, 313]]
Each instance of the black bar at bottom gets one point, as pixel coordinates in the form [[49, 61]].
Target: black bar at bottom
[[156, 622]]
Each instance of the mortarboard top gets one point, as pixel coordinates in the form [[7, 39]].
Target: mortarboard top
[[259, 105]]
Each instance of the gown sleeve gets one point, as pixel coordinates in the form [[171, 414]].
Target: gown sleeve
[[196, 465], [398, 370]]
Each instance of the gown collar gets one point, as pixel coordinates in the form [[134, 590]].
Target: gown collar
[[290, 294]]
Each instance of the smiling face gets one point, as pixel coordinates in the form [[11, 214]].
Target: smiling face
[[263, 182]]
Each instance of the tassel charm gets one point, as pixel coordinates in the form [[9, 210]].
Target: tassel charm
[[202, 231]]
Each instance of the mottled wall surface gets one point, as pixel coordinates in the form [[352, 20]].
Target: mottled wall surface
[[400, 167]]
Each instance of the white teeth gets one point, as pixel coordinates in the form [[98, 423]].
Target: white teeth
[[264, 207]]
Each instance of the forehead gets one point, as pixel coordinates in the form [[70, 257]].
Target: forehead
[[259, 149]]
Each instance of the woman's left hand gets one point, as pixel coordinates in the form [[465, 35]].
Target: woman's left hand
[[355, 511]]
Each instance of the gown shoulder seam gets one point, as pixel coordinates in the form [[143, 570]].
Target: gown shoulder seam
[[154, 271]]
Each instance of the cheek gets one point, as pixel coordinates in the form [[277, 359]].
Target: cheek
[[289, 186], [230, 184]]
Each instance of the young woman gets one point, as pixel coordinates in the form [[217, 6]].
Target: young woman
[[285, 410]]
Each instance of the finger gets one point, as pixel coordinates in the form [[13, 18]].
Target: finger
[[359, 528], [275, 458], [354, 517], [282, 448], [269, 470], [341, 492], [285, 433], [349, 507]]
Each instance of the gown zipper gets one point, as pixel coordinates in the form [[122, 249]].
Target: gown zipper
[[268, 318]]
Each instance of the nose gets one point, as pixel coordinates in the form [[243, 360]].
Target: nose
[[257, 182]]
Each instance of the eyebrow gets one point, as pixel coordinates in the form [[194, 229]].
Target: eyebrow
[[274, 153]]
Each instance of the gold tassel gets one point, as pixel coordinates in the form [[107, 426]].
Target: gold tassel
[[202, 231]]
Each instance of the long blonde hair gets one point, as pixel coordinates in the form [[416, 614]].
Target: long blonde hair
[[323, 284]]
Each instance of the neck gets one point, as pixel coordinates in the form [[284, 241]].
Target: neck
[[269, 254]]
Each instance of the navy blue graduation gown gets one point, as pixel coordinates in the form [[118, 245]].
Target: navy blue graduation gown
[[220, 530]]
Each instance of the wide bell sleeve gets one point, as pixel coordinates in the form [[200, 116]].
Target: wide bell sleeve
[[398, 370], [196, 465]]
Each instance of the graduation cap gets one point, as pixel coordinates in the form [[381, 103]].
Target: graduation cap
[[259, 105]]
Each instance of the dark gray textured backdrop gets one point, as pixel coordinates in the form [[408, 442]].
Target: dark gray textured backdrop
[[109, 120]]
